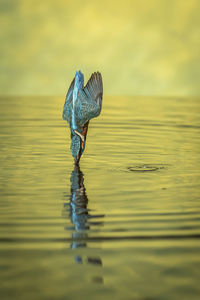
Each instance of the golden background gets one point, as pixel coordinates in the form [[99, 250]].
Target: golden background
[[145, 47]]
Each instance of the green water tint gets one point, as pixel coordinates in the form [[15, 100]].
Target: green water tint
[[125, 225]]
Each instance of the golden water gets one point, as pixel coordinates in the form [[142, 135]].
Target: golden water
[[126, 225]]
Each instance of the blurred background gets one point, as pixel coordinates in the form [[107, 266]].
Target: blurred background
[[142, 47]]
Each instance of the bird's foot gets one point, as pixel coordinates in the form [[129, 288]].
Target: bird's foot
[[79, 134]]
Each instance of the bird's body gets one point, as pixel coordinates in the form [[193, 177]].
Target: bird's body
[[81, 105]]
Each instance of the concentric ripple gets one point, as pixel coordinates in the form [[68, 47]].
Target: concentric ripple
[[146, 168]]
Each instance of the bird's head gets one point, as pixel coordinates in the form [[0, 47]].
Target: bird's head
[[77, 147]]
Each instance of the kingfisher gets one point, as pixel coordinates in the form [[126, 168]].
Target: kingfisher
[[82, 103]]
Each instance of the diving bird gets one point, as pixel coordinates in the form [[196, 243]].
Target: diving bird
[[82, 103]]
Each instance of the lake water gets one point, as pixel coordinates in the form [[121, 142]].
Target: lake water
[[125, 225]]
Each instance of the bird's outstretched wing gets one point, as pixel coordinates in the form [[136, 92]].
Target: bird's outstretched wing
[[68, 100], [94, 88], [90, 99]]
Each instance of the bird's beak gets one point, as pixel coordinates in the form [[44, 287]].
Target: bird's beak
[[76, 160]]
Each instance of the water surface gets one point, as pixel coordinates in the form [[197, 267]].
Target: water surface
[[126, 224]]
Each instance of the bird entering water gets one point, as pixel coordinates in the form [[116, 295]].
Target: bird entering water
[[82, 103]]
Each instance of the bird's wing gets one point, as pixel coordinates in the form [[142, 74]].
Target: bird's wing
[[68, 101], [94, 88], [89, 99]]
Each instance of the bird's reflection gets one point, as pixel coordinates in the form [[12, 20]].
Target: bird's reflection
[[78, 208], [81, 218]]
